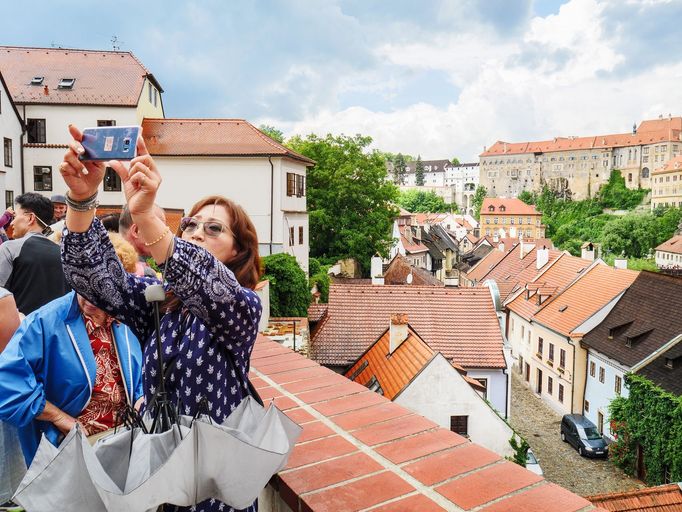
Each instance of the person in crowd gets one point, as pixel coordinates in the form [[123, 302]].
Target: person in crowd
[[110, 222], [131, 233], [69, 362], [5, 220], [59, 205], [211, 267], [13, 463], [30, 266]]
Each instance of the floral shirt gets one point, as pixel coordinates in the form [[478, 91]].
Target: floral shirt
[[108, 393], [206, 344]]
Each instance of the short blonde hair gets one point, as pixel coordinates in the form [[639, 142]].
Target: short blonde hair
[[125, 252]]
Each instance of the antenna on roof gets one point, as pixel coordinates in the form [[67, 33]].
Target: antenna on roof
[[116, 43], [56, 45]]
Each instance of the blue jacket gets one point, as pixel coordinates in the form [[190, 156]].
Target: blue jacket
[[50, 358]]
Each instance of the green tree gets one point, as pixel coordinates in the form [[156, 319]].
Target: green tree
[[455, 161], [633, 235], [419, 171], [399, 169], [289, 292], [477, 201], [417, 201], [527, 197], [272, 132], [615, 194], [350, 201]]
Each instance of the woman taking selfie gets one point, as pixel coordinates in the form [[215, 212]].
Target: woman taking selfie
[[210, 318]]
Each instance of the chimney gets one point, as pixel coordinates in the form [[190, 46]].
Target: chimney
[[397, 332], [588, 252], [620, 263], [376, 270], [522, 248], [501, 246], [496, 237], [46, 90], [542, 257]]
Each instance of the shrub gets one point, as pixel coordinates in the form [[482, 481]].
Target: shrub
[[289, 292]]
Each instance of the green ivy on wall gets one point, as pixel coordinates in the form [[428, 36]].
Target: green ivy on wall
[[651, 418]]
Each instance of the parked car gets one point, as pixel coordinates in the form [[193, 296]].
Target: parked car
[[583, 435], [532, 463]]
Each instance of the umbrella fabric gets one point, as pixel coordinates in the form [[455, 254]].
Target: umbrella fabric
[[12, 459], [236, 460], [58, 479]]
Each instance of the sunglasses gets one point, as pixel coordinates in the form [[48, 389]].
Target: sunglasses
[[212, 228]]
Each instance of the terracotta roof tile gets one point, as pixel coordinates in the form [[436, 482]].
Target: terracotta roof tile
[[400, 268], [211, 137], [512, 206], [584, 297], [458, 322], [173, 215], [672, 165], [102, 77], [486, 264], [316, 312], [673, 245], [663, 498]]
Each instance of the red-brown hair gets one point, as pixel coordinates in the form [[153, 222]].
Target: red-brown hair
[[246, 263]]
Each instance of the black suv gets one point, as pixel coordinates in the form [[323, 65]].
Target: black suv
[[577, 430]]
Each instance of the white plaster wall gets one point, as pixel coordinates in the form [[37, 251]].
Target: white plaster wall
[[497, 386], [598, 394], [439, 392], [10, 127], [300, 251]]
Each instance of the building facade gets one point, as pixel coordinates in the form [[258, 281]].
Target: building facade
[[666, 184], [577, 167], [11, 130], [510, 218]]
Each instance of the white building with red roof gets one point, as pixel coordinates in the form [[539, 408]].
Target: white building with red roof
[[11, 129]]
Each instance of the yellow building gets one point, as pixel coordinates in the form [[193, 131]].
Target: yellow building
[[510, 218], [666, 187]]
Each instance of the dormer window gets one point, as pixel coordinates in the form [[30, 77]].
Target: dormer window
[[502, 208], [669, 363], [37, 80], [491, 208], [66, 83]]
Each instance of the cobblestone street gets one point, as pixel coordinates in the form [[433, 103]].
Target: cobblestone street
[[560, 461]]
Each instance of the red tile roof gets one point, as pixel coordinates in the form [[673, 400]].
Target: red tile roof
[[673, 245], [511, 205], [486, 264], [211, 137], [460, 323], [672, 165], [102, 77], [596, 288], [358, 450], [664, 498], [400, 268], [316, 312]]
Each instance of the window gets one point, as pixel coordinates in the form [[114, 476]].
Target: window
[[561, 393], [300, 235], [551, 352], [562, 358], [601, 374], [521, 364], [66, 83], [540, 346], [291, 237], [587, 406], [484, 383], [156, 96], [459, 425], [36, 131], [7, 150], [37, 80], [300, 185], [523, 331], [112, 182], [106, 122], [669, 362], [550, 386], [617, 385], [593, 369], [149, 87], [291, 184], [42, 178], [9, 198]]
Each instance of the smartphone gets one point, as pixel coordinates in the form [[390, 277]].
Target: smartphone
[[110, 143]]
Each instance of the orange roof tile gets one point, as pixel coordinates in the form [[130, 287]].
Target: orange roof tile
[[673, 245], [393, 371], [663, 498], [211, 137], [173, 215], [460, 323], [559, 274], [102, 77], [673, 165], [486, 264], [430, 218], [514, 271], [597, 286], [511, 205]]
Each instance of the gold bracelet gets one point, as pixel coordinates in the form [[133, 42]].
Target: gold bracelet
[[161, 237]]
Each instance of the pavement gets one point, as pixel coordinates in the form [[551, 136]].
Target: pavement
[[540, 426]]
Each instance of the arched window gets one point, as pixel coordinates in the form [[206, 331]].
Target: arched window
[[645, 172]]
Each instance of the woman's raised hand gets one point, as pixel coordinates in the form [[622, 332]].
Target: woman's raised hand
[[82, 178], [140, 181]]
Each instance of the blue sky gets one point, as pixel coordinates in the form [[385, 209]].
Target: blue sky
[[436, 78]]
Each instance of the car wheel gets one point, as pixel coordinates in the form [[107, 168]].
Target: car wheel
[[580, 451], [563, 437]]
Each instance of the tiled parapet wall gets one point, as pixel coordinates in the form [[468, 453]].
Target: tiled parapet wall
[[359, 451]]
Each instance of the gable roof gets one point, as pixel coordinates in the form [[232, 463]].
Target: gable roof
[[665, 369], [5, 88], [398, 270], [673, 245], [486, 264], [212, 137], [672, 165], [102, 77], [460, 323], [582, 299], [559, 274], [651, 303], [507, 206], [663, 498]]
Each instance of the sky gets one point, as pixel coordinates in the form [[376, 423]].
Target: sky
[[435, 78]]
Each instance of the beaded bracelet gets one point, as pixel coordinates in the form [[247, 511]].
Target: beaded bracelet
[[161, 237], [85, 205]]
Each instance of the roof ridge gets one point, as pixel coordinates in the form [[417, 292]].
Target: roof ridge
[[62, 49]]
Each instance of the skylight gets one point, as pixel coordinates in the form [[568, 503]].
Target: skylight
[[562, 309], [66, 83], [37, 80]]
